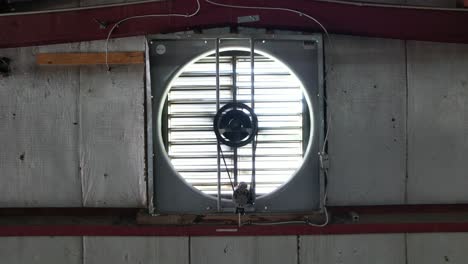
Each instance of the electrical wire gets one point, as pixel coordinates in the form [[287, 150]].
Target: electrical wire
[[300, 13], [254, 151], [325, 210], [327, 133], [325, 142], [389, 5], [274, 9], [359, 4], [145, 16], [307, 222]]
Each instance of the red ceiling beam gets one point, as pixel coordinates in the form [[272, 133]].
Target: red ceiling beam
[[407, 224], [204, 230], [115, 211], [420, 209], [375, 21]]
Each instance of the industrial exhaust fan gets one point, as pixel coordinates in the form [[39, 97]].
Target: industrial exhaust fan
[[237, 123]]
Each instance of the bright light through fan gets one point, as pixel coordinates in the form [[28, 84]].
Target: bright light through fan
[[191, 106]]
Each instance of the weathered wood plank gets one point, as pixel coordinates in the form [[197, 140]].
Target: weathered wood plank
[[228, 219], [145, 219], [91, 58]]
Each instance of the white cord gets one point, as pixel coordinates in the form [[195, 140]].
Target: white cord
[[327, 133], [327, 218], [273, 9], [145, 16], [325, 100], [389, 5], [296, 222], [245, 7], [279, 223], [300, 14], [359, 4]]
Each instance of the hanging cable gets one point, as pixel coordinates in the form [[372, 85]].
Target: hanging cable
[[145, 16], [306, 221], [348, 3], [327, 132], [300, 13], [273, 9]]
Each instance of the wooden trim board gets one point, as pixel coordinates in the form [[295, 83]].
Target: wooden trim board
[[94, 58]]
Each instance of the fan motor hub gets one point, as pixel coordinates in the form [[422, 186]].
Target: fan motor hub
[[235, 124]]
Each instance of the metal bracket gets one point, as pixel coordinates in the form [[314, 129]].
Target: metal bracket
[[248, 19], [324, 161]]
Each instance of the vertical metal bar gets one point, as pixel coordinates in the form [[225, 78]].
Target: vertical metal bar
[[252, 98], [149, 133], [234, 79], [322, 66], [234, 98], [218, 158]]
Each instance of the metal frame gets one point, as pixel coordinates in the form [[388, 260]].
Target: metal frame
[[287, 198], [323, 124], [252, 102], [218, 160], [148, 134], [234, 99]]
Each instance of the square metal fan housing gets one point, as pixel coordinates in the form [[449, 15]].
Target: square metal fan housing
[[303, 54]]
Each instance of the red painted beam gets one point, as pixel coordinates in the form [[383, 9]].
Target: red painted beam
[[204, 230], [375, 21], [213, 230], [106, 211], [402, 209]]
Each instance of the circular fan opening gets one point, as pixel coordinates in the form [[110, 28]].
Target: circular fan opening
[[284, 126]]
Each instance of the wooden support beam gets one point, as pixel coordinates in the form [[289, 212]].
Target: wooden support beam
[[145, 219], [224, 219], [96, 58]]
